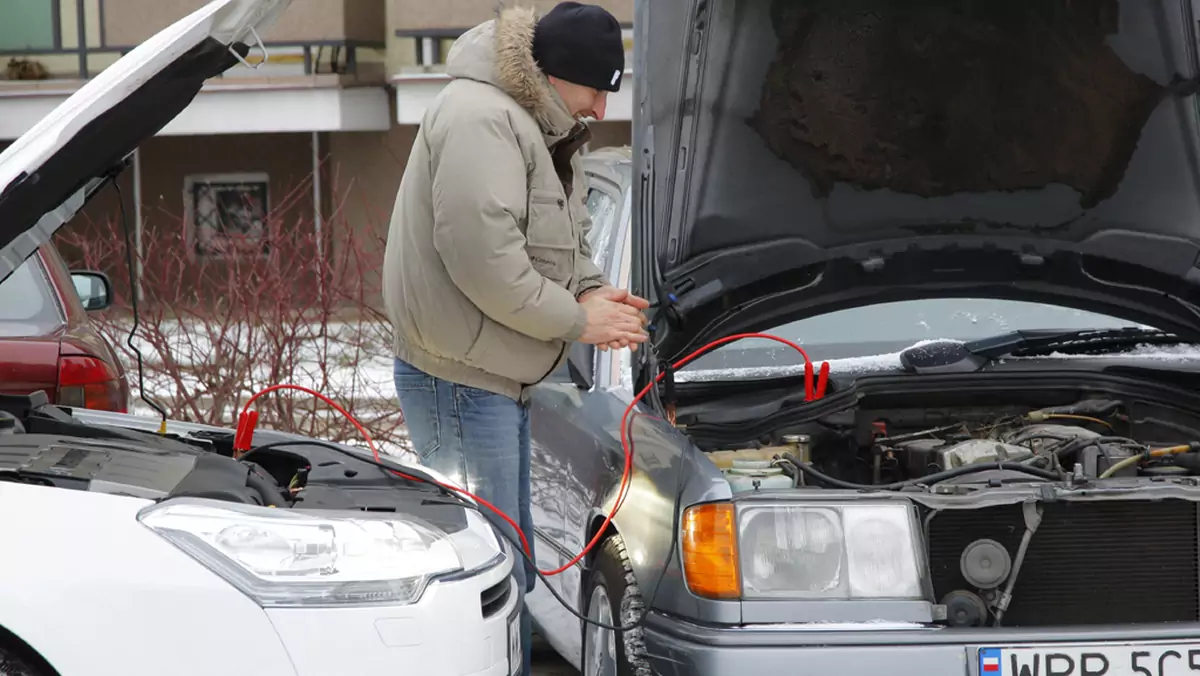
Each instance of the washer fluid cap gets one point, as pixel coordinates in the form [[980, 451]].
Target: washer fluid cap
[[985, 564]]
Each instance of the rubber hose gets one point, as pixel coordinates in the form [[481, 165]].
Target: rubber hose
[[271, 494], [930, 478]]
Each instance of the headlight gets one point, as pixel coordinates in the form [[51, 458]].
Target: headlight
[[829, 551], [282, 557]]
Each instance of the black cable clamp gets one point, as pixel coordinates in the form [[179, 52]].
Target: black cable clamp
[[668, 376]]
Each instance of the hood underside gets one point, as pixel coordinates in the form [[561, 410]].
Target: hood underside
[[824, 154]]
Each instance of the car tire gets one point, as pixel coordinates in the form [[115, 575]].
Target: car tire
[[14, 661], [612, 597]]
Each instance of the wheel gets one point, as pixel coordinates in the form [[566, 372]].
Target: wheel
[[14, 661], [613, 598]]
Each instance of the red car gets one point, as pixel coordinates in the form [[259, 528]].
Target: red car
[[47, 341]]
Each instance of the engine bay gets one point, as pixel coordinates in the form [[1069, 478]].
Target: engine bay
[[1032, 503], [43, 444], [1094, 438]]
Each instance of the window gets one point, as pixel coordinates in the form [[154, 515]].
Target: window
[[227, 215], [603, 208], [27, 303], [886, 328], [27, 25]]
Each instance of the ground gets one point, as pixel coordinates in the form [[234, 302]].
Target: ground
[[546, 662]]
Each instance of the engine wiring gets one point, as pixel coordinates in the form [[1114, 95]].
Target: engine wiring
[[927, 479]]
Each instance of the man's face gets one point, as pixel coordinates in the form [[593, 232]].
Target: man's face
[[581, 101]]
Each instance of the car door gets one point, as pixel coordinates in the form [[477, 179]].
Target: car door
[[565, 446]]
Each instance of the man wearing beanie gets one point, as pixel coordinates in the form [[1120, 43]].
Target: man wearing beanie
[[488, 276]]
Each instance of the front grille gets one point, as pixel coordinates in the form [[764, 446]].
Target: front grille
[[1088, 563], [493, 598]]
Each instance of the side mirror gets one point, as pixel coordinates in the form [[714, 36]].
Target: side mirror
[[93, 288], [581, 364]]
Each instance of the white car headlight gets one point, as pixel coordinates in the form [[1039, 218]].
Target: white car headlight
[[829, 551], [281, 557]]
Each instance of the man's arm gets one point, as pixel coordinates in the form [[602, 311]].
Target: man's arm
[[479, 187]]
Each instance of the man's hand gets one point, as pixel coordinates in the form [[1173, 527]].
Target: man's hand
[[612, 323], [618, 296]]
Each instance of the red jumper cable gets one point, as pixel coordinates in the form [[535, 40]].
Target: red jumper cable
[[812, 391]]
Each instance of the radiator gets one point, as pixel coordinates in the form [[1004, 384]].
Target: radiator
[[1088, 563]]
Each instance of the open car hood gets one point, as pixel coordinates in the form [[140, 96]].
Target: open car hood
[[50, 172], [796, 157]]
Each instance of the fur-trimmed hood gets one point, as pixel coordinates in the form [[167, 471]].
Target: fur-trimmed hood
[[500, 53]]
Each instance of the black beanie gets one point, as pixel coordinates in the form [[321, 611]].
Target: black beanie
[[581, 44]]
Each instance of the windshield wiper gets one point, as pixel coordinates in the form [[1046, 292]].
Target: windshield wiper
[[1075, 341]]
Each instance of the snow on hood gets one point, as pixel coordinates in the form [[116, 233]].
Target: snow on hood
[[890, 363]]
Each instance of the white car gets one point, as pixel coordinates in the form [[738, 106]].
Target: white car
[[128, 551]]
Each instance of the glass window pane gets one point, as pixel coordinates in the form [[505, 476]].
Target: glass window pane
[[27, 303], [603, 210], [28, 24], [887, 328]]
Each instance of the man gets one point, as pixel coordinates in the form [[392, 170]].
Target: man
[[488, 275]]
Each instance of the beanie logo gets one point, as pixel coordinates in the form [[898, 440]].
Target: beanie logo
[[616, 76]]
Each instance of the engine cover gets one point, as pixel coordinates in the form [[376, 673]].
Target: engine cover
[[159, 468]]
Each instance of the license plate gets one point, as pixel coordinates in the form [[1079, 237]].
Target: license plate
[[514, 645], [1149, 659]]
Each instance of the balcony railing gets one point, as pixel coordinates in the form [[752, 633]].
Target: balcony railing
[[41, 39], [417, 15]]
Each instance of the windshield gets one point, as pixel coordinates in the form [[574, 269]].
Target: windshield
[[890, 327], [27, 304]]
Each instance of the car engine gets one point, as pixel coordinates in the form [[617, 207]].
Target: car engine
[[1073, 514], [1089, 440]]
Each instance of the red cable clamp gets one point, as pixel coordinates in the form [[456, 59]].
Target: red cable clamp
[[243, 439]]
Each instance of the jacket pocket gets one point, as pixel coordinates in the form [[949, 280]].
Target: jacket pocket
[[549, 236], [512, 355]]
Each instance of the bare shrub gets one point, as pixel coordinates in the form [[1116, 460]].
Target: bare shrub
[[213, 331]]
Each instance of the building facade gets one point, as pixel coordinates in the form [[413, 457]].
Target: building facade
[[315, 137]]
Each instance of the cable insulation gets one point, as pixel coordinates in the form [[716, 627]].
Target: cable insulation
[[245, 434]]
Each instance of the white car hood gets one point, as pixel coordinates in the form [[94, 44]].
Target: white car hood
[[49, 173]]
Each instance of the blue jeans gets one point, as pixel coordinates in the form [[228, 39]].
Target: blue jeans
[[480, 441]]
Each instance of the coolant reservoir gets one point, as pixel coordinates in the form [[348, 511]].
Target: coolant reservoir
[[747, 476], [725, 459]]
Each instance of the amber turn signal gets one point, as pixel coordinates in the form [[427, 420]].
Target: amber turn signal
[[710, 562]]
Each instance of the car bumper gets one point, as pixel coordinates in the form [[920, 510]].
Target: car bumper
[[96, 593], [445, 633], [677, 648]]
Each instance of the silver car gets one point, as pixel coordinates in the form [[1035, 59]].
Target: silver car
[[984, 217]]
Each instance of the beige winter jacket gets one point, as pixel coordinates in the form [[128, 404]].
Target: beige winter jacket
[[487, 251]]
